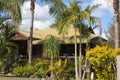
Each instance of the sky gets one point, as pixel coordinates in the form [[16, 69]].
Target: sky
[[43, 19]]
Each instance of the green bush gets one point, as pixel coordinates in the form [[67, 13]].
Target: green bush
[[63, 69], [2, 66], [20, 71], [37, 69], [41, 69], [41, 72]]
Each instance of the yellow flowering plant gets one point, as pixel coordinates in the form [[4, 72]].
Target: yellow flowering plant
[[102, 60]]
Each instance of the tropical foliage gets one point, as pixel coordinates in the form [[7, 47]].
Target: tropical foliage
[[51, 48], [63, 69], [8, 50], [74, 16], [40, 68], [37, 69], [102, 61], [12, 7], [101, 58], [57, 3]]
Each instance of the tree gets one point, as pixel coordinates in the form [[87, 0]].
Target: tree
[[12, 7], [73, 16], [116, 27], [116, 8], [111, 41], [32, 7], [7, 48], [51, 48], [116, 21], [84, 30]]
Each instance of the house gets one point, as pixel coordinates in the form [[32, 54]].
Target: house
[[21, 38]]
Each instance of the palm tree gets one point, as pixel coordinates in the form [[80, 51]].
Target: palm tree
[[12, 7], [63, 22], [116, 8], [84, 30], [32, 7], [7, 48], [73, 16], [70, 16], [116, 29], [51, 48]]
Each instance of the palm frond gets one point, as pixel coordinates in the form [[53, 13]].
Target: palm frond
[[90, 8], [4, 17], [13, 8]]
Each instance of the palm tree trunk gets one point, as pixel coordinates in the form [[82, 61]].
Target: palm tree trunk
[[83, 77], [86, 61], [116, 21], [51, 63], [32, 7], [118, 68], [80, 58], [76, 66], [116, 31]]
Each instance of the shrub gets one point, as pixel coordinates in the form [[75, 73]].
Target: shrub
[[2, 66], [40, 68], [21, 71], [102, 59], [63, 69], [37, 69]]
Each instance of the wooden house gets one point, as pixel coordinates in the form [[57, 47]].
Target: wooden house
[[21, 38]]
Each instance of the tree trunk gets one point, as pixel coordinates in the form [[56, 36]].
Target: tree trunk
[[118, 67], [84, 72], [32, 7], [116, 31], [76, 66], [51, 64], [116, 21], [80, 58]]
